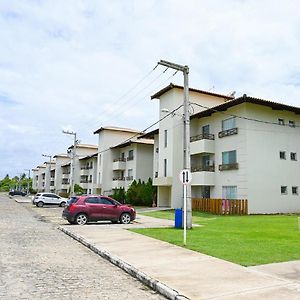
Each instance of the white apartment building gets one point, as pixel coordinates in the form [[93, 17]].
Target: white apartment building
[[62, 173], [88, 173], [122, 158], [244, 148], [39, 178]]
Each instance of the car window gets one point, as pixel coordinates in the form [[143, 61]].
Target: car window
[[104, 200], [37, 195], [48, 195], [55, 196], [93, 200]]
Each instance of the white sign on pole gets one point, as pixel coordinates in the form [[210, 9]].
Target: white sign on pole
[[185, 176]]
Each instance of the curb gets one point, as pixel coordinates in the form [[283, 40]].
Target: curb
[[144, 278]]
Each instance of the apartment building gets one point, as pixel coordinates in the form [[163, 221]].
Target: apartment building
[[62, 173], [131, 160], [39, 177], [88, 173], [244, 148], [122, 158], [35, 178]]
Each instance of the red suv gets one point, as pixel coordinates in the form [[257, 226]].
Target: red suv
[[97, 208]]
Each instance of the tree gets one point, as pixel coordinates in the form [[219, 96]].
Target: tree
[[78, 190]]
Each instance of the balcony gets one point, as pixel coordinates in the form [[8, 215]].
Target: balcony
[[84, 171], [226, 167], [202, 143], [130, 158], [119, 164], [228, 132], [51, 183], [203, 169], [202, 136], [163, 181], [65, 175], [65, 182], [203, 177], [129, 178], [118, 182]]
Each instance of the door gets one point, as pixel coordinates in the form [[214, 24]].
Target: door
[[110, 210], [94, 209]]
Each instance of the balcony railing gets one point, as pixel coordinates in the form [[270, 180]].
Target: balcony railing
[[65, 182], [119, 159], [202, 136], [129, 178], [226, 167], [203, 168], [86, 168], [228, 132], [130, 158], [119, 178], [66, 172]]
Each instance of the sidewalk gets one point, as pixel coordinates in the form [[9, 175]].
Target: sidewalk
[[176, 272]]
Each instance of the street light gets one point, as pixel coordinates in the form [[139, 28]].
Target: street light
[[73, 155]]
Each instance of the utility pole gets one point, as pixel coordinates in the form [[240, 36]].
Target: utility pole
[[50, 161], [28, 170], [186, 132], [73, 156]]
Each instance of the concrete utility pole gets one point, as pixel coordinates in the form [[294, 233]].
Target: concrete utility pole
[[49, 174], [73, 155], [28, 170], [186, 131]]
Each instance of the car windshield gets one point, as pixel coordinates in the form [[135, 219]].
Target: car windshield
[[73, 200]]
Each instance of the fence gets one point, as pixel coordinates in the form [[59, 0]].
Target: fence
[[221, 206]]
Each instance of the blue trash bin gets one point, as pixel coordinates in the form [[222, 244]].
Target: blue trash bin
[[178, 218]]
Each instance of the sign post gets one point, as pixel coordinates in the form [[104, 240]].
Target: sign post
[[185, 177]]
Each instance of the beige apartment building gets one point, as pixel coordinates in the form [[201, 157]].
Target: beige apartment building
[[122, 158], [244, 148]]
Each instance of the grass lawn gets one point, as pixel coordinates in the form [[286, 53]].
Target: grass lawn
[[246, 240]]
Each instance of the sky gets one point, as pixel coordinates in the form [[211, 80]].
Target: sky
[[80, 65]]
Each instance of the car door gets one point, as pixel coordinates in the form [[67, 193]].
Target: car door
[[47, 198], [93, 208], [56, 199], [109, 208]]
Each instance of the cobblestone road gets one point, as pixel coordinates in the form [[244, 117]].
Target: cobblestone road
[[39, 262]]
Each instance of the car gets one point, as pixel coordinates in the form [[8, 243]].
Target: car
[[19, 193], [48, 198], [98, 208]]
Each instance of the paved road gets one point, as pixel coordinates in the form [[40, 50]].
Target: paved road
[[39, 262]]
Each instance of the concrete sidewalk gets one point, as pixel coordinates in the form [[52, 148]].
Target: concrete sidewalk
[[177, 272]]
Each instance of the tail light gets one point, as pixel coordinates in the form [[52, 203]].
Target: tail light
[[71, 207]]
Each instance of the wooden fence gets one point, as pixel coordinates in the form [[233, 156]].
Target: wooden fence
[[221, 206]]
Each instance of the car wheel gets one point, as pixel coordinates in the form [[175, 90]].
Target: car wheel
[[40, 204], [62, 204], [81, 219], [125, 218]]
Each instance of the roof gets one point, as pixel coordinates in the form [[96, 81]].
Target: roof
[[246, 99], [61, 155], [150, 135], [84, 146], [172, 86], [66, 164], [89, 156], [136, 141], [113, 128]]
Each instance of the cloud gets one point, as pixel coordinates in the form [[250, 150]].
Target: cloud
[[71, 62]]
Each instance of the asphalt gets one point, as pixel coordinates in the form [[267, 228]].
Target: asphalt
[[179, 273]]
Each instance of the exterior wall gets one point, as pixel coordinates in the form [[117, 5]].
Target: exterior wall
[[41, 180], [88, 170], [144, 162], [174, 150], [60, 160], [107, 139], [267, 172]]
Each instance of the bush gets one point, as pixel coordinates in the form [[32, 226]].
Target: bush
[[119, 195], [64, 194]]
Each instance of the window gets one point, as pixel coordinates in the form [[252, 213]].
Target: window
[[291, 123], [165, 167], [229, 192], [282, 155], [281, 121], [293, 156], [294, 190], [130, 174], [166, 138], [104, 200], [130, 155], [283, 190], [229, 157], [228, 124], [91, 178], [92, 200], [205, 129]]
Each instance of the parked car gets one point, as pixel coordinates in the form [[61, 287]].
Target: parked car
[[48, 198], [72, 199], [14, 193], [98, 208]]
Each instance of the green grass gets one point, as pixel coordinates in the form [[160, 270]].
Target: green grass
[[246, 240]]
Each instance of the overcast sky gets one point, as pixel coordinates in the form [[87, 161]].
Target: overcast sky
[[70, 64]]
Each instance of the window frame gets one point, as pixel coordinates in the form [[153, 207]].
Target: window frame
[[229, 162], [224, 128]]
